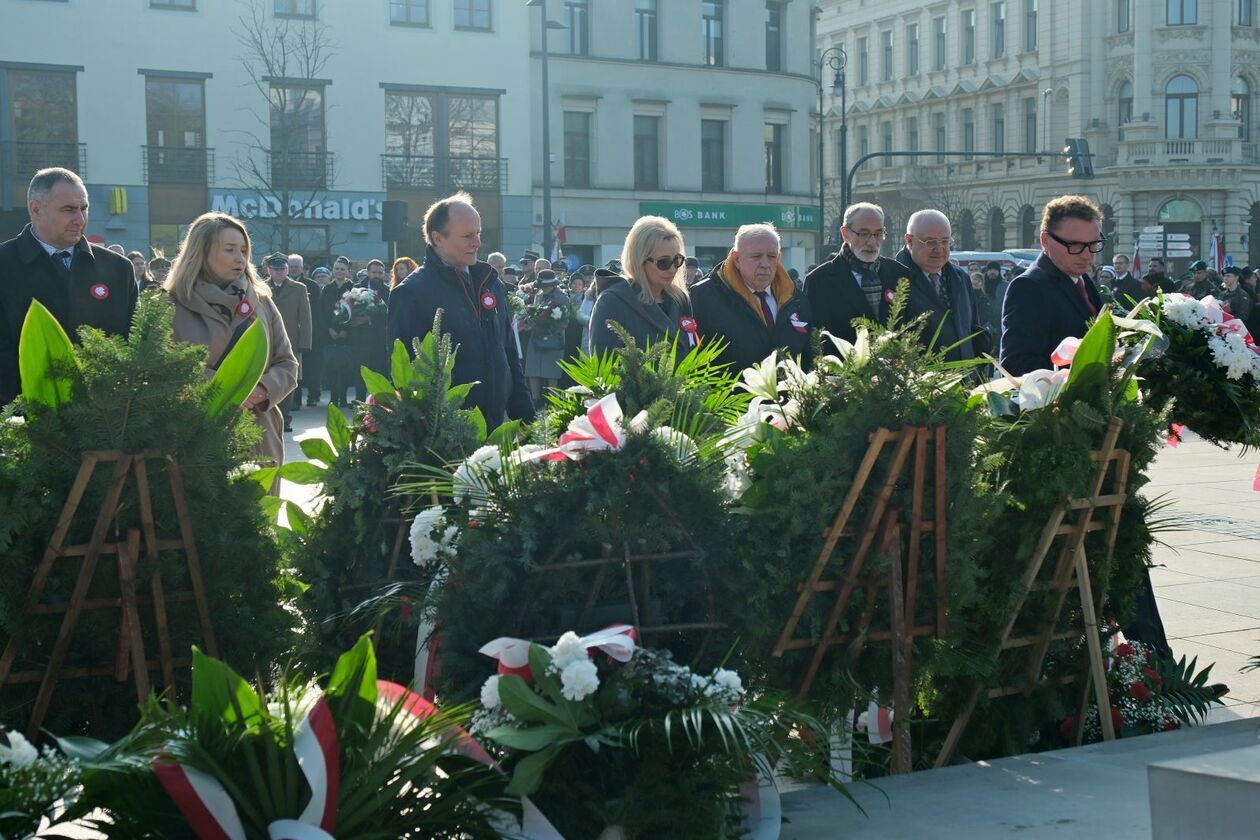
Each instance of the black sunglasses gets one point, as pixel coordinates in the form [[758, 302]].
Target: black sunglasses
[[666, 263], [1079, 247]]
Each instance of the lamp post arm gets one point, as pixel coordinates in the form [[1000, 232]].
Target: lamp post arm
[[848, 178]]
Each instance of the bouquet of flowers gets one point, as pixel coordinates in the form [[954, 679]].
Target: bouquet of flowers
[[1147, 694], [31, 781], [359, 304], [547, 315], [627, 737], [1209, 375]]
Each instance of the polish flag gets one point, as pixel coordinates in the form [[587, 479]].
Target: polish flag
[[1135, 267]]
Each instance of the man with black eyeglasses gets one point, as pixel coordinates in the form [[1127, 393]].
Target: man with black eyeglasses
[[856, 282], [1055, 298]]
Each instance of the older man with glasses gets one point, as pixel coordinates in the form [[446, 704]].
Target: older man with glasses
[[941, 289], [856, 282], [1055, 298]]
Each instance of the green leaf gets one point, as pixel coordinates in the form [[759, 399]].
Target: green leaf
[[505, 434], [303, 472], [45, 354], [539, 668], [239, 372], [400, 365], [528, 774], [377, 385], [1092, 362], [318, 449], [338, 429], [479, 422], [351, 688], [80, 748], [263, 477], [299, 521], [271, 508], [456, 394], [535, 738], [519, 699], [219, 692]]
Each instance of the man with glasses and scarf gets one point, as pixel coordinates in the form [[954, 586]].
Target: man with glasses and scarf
[[856, 282], [1055, 298]]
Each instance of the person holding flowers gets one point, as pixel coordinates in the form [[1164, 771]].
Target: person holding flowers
[[548, 319]]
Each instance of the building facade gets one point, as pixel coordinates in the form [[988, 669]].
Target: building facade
[[1162, 90]]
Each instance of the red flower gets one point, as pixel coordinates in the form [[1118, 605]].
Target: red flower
[[1170, 724], [1067, 726], [1124, 650], [1154, 677], [1139, 692], [1117, 719], [473, 523]]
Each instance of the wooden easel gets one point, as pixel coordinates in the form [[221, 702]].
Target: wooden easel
[[883, 524], [1071, 571], [130, 655]]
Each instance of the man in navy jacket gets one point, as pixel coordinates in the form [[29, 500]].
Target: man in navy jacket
[[1055, 298], [474, 308]]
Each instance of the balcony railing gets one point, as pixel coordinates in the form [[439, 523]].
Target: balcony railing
[[170, 165], [1230, 150], [427, 172], [300, 170], [20, 160]]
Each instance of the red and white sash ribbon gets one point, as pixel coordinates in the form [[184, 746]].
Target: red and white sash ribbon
[[207, 807], [599, 430], [315, 747]]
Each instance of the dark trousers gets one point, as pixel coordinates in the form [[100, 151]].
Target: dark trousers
[[341, 372], [312, 376]]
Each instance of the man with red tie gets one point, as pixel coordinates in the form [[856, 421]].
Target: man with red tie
[[1055, 298]]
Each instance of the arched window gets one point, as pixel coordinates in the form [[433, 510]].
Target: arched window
[[1180, 210], [1124, 112], [1181, 108], [1240, 104], [997, 230], [966, 231], [1028, 228]]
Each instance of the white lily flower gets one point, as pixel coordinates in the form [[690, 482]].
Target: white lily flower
[[762, 379], [1039, 388]]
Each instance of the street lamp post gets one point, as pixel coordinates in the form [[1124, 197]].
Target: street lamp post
[[546, 125], [835, 58]]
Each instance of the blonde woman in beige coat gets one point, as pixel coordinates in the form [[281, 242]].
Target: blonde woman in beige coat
[[217, 295]]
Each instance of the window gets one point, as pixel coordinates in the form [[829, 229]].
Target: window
[[647, 153], [410, 138], [912, 134], [577, 15], [1027, 227], [1183, 12], [997, 19], [295, 8], [176, 121], [864, 141], [774, 36], [774, 157], [886, 141], [969, 131], [1181, 108], [712, 11], [938, 130], [298, 142], [1240, 105], [1124, 107], [577, 149], [645, 28], [1124, 15], [1030, 25], [999, 127], [473, 14], [938, 43], [43, 111], [419, 154], [1030, 124], [912, 49], [1244, 12], [409, 12], [472, 126], [864, 61], [886, 52], [969, 36], [181, 5], [713, 155]]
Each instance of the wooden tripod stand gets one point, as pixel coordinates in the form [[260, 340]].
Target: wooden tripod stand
[[130, 650]]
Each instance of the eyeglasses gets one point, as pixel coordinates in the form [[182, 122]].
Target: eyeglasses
[[1079, 247], [666, 263], [935, 244], [867, 234]]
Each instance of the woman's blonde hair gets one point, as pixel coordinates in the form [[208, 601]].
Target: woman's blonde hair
[[393, 272], [194, 254], [644, 236]]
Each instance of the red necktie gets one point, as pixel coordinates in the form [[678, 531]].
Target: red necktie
[[1080, 286], [765, 308]]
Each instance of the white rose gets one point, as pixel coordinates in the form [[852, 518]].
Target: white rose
[[579, 680]]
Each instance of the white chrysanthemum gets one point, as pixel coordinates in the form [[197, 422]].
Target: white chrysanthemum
[[1230, 352], [490, 693], [425, 549], [579, 680], [728, 681], [1184, 310], [19, 752], [470, 477], [568, 650], [557, 312]]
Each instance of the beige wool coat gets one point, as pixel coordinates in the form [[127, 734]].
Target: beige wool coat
[[294, 304], [199, 323]]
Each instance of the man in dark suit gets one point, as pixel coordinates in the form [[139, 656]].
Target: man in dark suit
[[856, 282], [941, 289], [1055, 298], [51, 261]]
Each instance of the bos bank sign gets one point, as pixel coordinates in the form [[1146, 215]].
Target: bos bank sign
[[335, 207]]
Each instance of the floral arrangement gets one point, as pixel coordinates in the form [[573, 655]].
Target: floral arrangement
[[358, 304], [358, 757], [547, 314], [31, 783], [599, 732], [1146, 693], [1208, 376]]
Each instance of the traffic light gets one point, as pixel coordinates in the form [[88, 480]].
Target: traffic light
[[1080, 163]]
